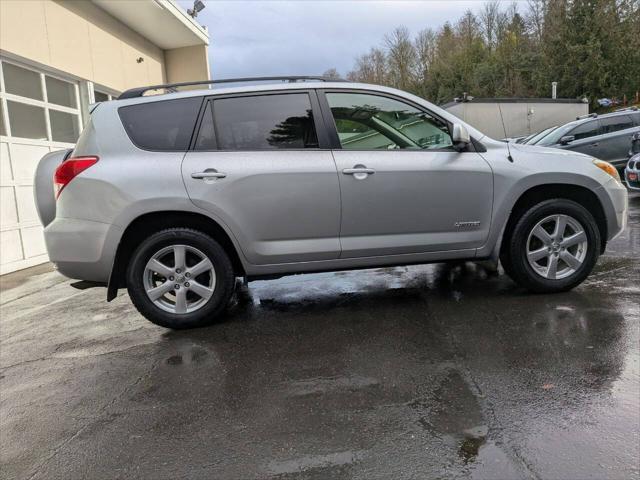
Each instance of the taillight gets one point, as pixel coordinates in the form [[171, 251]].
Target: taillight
[[69, 169]]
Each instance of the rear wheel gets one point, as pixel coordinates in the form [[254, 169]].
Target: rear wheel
[[180, 278], [553, 246]]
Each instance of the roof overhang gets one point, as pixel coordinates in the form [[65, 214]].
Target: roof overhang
[[162, 22]]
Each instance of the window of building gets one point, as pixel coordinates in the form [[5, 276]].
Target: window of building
[[3, 130], [366, 122], [100, 96], [265, 122], [38, 106], [22, 82], [27, 121], [64, 127], [61, 92], [165, 125]]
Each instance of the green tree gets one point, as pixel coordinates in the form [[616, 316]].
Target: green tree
[[590, 47]]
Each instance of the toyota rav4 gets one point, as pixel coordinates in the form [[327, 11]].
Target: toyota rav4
[[173, 196]]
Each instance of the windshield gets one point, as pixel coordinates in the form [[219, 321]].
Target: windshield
[[536, 137], [554, 137]]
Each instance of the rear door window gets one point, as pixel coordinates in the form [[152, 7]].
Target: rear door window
[[264, 122], [166, 125], [615, 124]]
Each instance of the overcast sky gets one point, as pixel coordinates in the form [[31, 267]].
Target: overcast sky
[[307, 37]]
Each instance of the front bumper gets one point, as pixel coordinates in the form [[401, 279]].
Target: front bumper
[[632, 177], [82, 249], [616, 204]]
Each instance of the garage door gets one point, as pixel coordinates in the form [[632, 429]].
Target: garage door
[[39, 113]]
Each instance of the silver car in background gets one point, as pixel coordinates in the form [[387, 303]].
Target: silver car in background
[[173, 196]]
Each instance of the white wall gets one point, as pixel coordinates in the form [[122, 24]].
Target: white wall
[[517, 120]]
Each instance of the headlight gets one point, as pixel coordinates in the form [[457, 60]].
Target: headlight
[[608, 168]]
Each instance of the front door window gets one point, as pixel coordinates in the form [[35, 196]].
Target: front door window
[[372, 122]]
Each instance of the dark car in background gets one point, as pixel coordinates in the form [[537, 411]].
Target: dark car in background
[[606, 137]]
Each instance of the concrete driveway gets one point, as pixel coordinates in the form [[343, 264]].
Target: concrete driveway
[[419, 372]]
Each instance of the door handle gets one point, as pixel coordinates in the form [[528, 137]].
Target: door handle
[[355, 170], [208, 173], [595, 144]]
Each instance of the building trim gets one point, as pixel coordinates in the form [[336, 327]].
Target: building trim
[[162, 22]]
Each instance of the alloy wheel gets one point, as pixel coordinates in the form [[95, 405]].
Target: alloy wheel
[[557, 247], [179, 279]]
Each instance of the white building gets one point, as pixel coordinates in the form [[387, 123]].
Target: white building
[[522, 116], [57, 57]]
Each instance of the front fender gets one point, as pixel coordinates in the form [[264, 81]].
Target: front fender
[[506, 198]]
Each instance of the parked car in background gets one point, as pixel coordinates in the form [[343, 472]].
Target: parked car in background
[[532, 139], [606, 137], [514, 139], [173, 196], [632, 172]]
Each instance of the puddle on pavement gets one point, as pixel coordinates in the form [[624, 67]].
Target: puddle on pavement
[[326, 385], [320, 466], [193, 354], [455, 415], [469, 448]]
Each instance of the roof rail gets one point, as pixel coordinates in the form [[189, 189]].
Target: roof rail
[[140, 91], [591, 115], [632, 108]]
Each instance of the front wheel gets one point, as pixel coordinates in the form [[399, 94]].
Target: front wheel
[[553, 247], [180, 278]]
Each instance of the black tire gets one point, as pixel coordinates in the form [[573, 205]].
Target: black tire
[[514, 255], [205, 314]]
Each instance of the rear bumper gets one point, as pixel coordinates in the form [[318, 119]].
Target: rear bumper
[[82, 249]]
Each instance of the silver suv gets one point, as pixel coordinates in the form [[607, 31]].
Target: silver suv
[[175, 195]]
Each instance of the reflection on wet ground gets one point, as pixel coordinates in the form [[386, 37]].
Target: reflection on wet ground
[[438, 371]]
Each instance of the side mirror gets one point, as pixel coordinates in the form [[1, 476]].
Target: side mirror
[[460, 136], [567, 140]]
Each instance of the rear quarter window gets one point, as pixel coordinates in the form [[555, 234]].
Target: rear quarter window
[[616, 123], [165, 125]]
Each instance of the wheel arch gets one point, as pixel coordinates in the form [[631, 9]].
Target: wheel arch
[[148, 223], [538, 193]]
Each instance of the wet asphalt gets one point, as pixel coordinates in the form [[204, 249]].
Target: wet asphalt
[[437, 371]]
